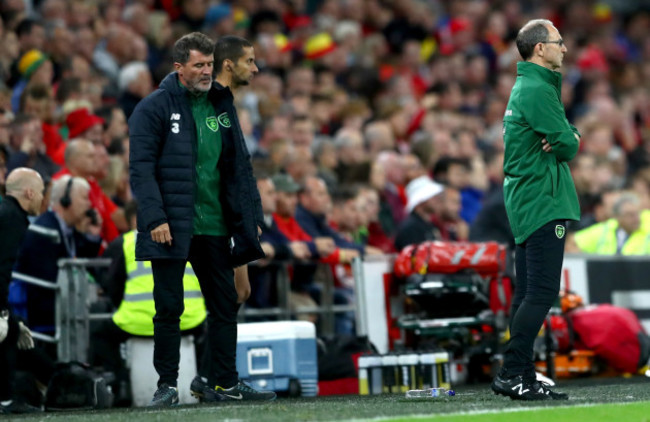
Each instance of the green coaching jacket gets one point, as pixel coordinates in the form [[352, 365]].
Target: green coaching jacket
[[538, 187]]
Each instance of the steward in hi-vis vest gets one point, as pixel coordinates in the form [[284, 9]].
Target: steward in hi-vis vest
[[136, 311]]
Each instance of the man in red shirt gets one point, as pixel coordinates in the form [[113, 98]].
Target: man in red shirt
[[80, 162]]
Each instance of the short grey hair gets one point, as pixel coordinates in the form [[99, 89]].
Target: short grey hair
[[529, 35], [59, 186], [625, 198], [130, 73]]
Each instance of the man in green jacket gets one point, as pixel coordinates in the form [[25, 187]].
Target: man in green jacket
[[539, 197]]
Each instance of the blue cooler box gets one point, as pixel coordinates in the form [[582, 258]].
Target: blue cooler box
[[279, 356]]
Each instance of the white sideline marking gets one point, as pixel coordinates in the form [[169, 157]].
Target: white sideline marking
[[483, 412]]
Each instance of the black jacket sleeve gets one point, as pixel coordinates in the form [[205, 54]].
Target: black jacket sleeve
[[146, 134], [114, 278], [13, 226]]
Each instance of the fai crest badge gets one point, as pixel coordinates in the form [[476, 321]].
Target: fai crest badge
[[559, 231], [212, 123], [224, 120]]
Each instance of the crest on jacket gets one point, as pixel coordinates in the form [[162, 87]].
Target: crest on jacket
[[559, 231], [212, 123], [224, 120]]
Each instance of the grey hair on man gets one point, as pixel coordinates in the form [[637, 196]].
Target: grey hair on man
[[624, 198], [530, 35], [59, 187], [130, 73]]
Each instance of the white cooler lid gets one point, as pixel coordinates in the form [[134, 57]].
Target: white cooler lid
[[275, 330]]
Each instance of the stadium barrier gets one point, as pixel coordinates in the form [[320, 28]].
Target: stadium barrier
[[72, 299], [327, 310]]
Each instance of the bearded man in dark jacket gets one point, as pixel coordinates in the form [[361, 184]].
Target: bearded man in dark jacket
[[191, 173]]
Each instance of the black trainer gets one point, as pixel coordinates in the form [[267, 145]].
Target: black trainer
[[203, 392], [242, 391], [165, 396], [18, 408], [519, 388], [554, 395]]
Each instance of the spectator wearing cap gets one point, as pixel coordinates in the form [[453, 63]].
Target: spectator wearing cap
[[422, 205], [322, 248], [284, 217], [277, 248], [34, 67], [83, 124], [31, 36]]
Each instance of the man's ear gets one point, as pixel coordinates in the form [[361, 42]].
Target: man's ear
[[177, 66]]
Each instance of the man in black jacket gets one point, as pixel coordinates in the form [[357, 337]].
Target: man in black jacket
[[24, 196], [191, 174], [64, 231]]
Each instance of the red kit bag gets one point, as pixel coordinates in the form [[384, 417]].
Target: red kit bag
[[486, 258], [613, 333]]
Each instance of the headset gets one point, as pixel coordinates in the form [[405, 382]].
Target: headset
[[65, 200]]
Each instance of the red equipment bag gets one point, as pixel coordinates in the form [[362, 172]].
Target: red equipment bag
[[403, 266], [486, 258], [613, 333]]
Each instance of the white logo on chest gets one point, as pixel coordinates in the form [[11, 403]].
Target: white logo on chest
[[175, 125]]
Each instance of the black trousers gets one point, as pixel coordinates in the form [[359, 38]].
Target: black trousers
[[8, 351], [538, 263], [209, 256], [106, 338]]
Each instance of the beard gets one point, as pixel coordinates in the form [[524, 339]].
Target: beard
[[237, 80], [199, 88]]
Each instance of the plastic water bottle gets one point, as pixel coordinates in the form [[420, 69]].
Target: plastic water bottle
[[429, 393]]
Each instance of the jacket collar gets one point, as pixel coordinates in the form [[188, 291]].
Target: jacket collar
[[540, 72], [11, 200], [171, 84]]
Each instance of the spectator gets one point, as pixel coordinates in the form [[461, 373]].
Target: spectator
[[620, 235], [37, 100], [423, 203], [456, 173], [80, 156], [372, 233], [65, 231], [34, 67], [27, 148], [31, 36], [314, 203], [134, 83], [448, 219], [83, 124], [277, 247]]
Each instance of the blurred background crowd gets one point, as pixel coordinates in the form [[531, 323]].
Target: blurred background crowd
[[354, 99]]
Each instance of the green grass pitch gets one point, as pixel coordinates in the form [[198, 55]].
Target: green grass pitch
[[592, 400]]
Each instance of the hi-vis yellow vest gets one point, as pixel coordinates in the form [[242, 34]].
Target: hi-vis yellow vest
[[135, 314], [601, 239]]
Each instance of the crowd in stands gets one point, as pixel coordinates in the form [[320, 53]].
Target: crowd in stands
[[371, 124]]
